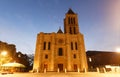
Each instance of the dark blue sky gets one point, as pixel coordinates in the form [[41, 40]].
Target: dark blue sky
[[22, 20]]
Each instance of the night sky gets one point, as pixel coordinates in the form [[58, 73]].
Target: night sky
[[22, 20]]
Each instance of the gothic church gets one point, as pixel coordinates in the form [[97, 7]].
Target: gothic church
[[62, 50]]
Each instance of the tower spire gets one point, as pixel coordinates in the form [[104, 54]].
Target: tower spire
[[59, 31], [70, 11], [71, 23]]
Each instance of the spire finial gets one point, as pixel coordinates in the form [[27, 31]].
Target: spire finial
[[59, 31], [59, 27], [70, 11]]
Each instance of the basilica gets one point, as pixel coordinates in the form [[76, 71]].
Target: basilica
[[61, 50]]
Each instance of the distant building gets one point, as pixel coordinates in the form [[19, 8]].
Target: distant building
[[102, 59], [10, 51], [12, 56], [9, 48], [61, 50]]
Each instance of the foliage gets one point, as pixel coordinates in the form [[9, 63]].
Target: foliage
[[25, 59]]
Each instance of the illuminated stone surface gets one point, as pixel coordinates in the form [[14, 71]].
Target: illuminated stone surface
[[61, 51], [62, 75]]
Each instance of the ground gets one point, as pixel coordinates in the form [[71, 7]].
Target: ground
[[68, 74]]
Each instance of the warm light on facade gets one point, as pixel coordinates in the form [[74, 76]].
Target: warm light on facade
[[4, 53]]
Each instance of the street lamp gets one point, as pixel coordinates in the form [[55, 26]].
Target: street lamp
[[118, 49], [3, 53]]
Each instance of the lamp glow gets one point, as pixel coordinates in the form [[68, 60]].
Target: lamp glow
[[118, 49], [4, 53]]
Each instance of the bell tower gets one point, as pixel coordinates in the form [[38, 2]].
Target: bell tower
[[71, 23]]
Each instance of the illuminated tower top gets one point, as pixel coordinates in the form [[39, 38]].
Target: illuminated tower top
[[71, 23]]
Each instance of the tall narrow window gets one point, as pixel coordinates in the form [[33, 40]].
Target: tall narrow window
[[71, 45], [74, 20], [60, 52], [74, 30], [48, 45], [71, 21], [46, 56], [68, 20], [70, 30], [44, 46], [74, 56], [76, 47]]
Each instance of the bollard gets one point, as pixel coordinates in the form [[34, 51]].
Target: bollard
[[98, 70], [119, 69], [85, 70], [45, 70], [104, 70], [58, 70], [78, 70], [65, 70], [37, 71]]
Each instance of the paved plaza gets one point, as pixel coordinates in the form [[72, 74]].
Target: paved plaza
[[55, 74]]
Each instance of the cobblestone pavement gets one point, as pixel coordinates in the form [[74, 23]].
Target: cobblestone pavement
[[55, 74]]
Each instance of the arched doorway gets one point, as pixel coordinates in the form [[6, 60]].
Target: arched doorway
[[60, 66]]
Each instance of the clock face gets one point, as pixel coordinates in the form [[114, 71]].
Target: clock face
[[60, 41]]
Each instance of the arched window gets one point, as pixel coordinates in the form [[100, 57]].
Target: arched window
[[49, 45], [46, 56], [44, 46], [74, 56], [74, 30], [70, 30], [71, 45], [60, 52], [76, 46]]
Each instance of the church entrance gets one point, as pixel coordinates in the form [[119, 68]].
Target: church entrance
[[75, 67], [60, 66]]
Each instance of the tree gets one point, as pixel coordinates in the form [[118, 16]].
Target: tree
[[24, 59]]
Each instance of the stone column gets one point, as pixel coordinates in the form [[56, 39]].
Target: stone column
[[37, 58], [83, 59], [52, 51], [68, 53]]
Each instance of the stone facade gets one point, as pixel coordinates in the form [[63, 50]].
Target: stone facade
[[61, 50], [11, 51], [9, 48]]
